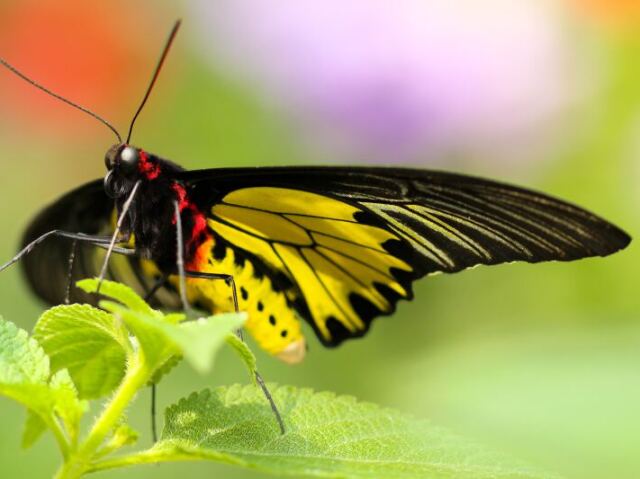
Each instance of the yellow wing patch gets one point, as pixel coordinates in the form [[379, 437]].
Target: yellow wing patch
[[317, 242], [288, 201], [263, 224]]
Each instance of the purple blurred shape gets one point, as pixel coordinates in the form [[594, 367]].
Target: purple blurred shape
[[403, 80]]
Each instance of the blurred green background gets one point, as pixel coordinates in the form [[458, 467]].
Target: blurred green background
[[540, 361]]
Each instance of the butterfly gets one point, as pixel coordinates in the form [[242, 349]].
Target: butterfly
[[335, 247]]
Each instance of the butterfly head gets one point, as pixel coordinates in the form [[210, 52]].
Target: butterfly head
[[127, 164], [123, 159]]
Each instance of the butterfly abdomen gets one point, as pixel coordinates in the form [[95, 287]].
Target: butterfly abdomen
[[271, 320]]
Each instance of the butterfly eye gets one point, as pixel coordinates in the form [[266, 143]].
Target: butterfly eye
[[110, 157], [128, 160]]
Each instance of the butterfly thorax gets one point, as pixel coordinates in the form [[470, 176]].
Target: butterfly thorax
[[151, 217]]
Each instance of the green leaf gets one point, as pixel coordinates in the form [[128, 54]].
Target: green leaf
[[119, 292], [327, 436], [22, 360], [34, 427], [247, 356], [201, 339], [163, 339], [149, 332], [67, 404], [24, 377], [175, 318], [86, 341], [198, 341], [24, 368], [124, 435], [165, 369]]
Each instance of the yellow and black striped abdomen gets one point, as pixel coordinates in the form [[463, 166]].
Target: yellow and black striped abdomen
[[272, 321]]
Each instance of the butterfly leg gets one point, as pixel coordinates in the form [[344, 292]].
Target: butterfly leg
[[72, 257], [160, 282], [182, 287], [227, 278], [116, 233], [232, 284], [100, 241]]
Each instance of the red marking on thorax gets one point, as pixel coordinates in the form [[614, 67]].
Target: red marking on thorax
[[148, 168], [181, 193], [199, 225], [199, 232]]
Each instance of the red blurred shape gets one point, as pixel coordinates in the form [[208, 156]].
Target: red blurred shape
[[86, 51]]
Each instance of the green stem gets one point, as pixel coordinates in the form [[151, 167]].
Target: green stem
[[135, 459], [135, 379], [79, 462], [60, 436], [163, 454]]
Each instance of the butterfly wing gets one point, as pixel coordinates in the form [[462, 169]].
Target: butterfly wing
[[350, 241], [87, 210], [343, 243]]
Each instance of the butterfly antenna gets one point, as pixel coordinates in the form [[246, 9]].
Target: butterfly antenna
[[156, 72], [61, 98]]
